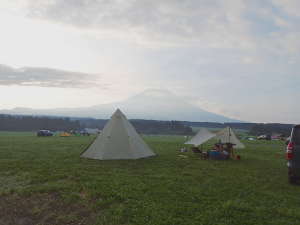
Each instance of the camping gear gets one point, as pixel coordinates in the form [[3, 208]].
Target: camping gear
[[219, 155], [204, 155], [118, 140], [202, 136], [184, 149], [65, 134], [196, 150], [215, 155], [226, 138]]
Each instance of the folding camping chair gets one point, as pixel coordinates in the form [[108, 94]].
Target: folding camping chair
[[196, 150], [204, 155]]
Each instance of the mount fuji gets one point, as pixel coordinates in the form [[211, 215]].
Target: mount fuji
[[151, 104]]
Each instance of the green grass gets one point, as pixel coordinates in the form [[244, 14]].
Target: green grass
[[44, 181], [13, 133]]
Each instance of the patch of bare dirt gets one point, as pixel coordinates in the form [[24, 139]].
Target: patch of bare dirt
[[43, 209]]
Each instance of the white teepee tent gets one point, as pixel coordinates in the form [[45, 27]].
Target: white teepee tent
[[118, 140], [202, 136], [227, 136]]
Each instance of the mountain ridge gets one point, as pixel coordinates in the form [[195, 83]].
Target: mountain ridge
[[153, 104]]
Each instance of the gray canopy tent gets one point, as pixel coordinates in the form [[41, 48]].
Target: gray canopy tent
[[228, 136], [224, 136], [118, 140], [202, 136]]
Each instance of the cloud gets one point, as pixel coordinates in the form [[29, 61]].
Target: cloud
[[291, 7], [264, 26], [46, 77], [214, 23]]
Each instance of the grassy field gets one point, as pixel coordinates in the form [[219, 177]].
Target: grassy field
[[43, 181]]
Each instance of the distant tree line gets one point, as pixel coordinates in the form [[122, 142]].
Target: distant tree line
[[33, 123], [161, 127], [145, 126], [253, 128], [271, 128], [91, 123], [244, 126]]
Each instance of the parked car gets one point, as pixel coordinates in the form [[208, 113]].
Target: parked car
[[293, 155], [44, 133], [264, 137], [84, 133]]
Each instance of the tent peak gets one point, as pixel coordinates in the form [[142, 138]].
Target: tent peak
[[118, 112]]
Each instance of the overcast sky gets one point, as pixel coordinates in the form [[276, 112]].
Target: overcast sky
[[239, 58]]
